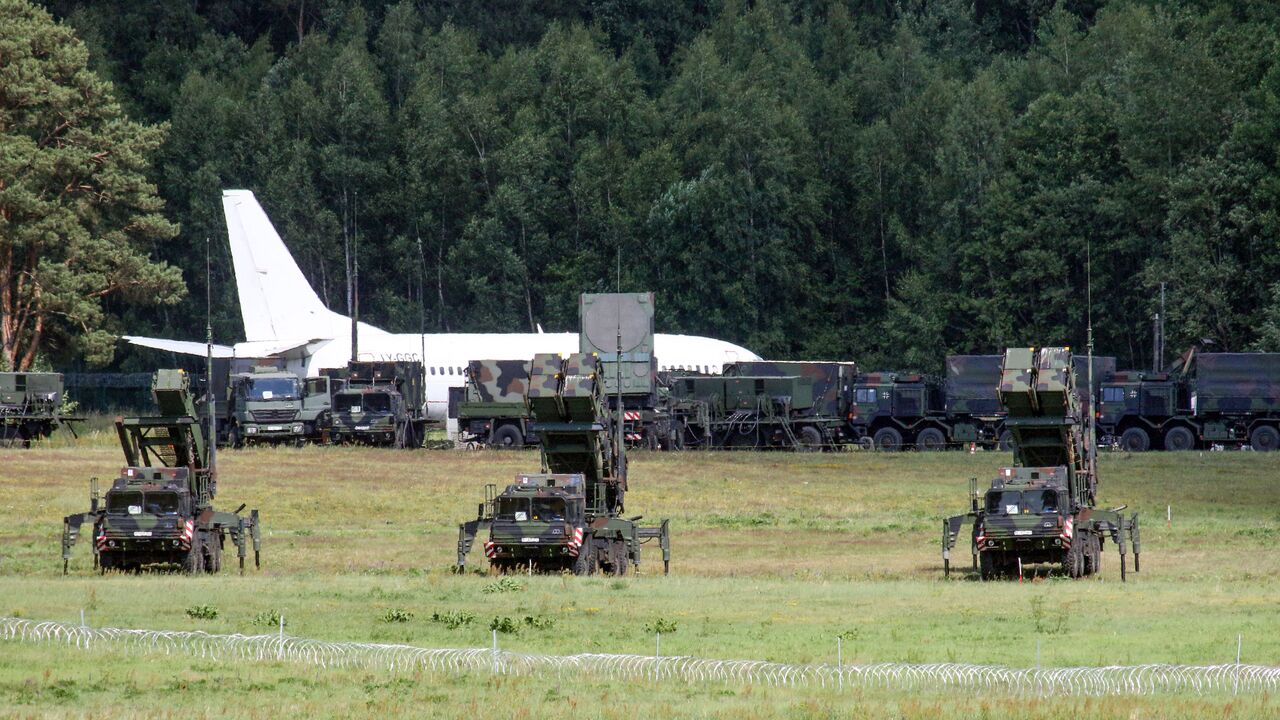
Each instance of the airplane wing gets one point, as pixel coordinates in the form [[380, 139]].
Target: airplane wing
[[185, 347], [273, 348]]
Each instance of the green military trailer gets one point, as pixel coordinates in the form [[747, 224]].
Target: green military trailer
[[493, 411], [569, 516], [159, 512], [1041, 511], [827, 420], [382, 403], [749, 412], [31, 406]]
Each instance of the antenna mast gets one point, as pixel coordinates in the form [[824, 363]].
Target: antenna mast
[[208, 370], [617, 379], [1093, 412]]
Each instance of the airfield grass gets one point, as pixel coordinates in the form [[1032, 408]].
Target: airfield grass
[[773, 555]]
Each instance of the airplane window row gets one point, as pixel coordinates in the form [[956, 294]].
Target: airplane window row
[[443, 369]]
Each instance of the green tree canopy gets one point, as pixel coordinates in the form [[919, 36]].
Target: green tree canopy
[[78, 216]]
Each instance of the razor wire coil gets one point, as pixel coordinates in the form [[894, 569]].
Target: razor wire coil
[[1112, 680]]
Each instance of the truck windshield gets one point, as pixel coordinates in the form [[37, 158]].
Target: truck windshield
[[162, 503], [548, 509], [260, 389], [124, 503], [1014, 502], [512, 508], [363, 403]]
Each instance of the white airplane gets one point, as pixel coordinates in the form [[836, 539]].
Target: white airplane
[[283, 317]]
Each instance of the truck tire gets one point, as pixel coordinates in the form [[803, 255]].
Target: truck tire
[[194, 561], [1135, 440], [234, 439], [987, 566], [1265, 438], [810, 439], [1005, 443], [508, 437], [888, 440], [213, 555], [1179, 438], [585, 564], [931, 439]]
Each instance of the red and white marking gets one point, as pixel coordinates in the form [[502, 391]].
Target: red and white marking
[[575, 542]]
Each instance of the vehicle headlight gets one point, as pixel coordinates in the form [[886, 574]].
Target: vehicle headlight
[[250, 430], [297, 428]]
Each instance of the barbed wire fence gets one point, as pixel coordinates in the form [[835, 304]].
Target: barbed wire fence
[[1152, 679]]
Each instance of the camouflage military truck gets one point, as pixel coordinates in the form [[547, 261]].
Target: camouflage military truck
[[618, 329], [1041, 510], [568, 517], [382, 403], [1201, 400], [891, 410], [972, 410], [493, 411], [159, 511], [31, 406]]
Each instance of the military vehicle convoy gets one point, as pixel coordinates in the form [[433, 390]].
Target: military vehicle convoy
[[493, 410], [1041, 511], [1203, 399], [382, 403], [159, 511], [31, 406], [569, 516]]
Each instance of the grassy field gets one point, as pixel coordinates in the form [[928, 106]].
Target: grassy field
[[773, 556]]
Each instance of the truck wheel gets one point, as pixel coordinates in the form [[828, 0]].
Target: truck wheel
[[618, 557], [810, 438], [213, 554], [931, 439], [1179, 438], [1006, 441], [987, 566], [585, 564], [508, 437], [194, 562], [1265, 438], [888, 440], [1135, 440]]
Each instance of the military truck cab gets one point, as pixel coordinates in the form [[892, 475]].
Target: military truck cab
[[149, 520], [539, 520], [894, 410], [266, 407], [1027, 517], [366, 415], [382, 403]]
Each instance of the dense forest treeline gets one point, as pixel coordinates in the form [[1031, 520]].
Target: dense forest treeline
[[887, 181]]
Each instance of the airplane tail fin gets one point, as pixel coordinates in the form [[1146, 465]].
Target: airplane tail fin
[[276, 301]]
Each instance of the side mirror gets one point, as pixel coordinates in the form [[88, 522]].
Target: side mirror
[[480, 510]]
